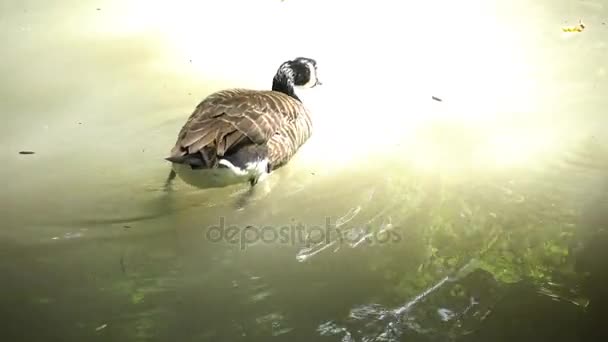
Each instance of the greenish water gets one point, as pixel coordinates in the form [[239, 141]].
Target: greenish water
[[478, 218]]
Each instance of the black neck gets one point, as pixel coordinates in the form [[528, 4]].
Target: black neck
[[283, 82]]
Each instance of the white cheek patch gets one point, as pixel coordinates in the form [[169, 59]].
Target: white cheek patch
[[313, 76]]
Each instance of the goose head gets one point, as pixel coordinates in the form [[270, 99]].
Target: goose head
[[299, 73], [305, 72]]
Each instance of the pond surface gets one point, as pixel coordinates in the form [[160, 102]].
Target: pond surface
[[455, 188]]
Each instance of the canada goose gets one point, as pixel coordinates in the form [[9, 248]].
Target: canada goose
[[242, 135]]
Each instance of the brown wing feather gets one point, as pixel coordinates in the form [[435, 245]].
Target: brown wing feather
[[226, 118]]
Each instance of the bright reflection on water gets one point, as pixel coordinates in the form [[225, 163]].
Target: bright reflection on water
[[479, 217]]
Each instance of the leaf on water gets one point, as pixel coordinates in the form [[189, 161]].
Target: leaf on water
[[137, 298], [576, 28]]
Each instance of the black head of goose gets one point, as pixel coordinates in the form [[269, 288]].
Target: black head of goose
[[242, 135]]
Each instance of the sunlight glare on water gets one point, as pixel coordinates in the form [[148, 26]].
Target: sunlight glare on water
[[380, 67]]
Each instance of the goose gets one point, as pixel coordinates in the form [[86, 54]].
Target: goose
[[240, 135]]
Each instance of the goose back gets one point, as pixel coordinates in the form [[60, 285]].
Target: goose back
[[243, 123]]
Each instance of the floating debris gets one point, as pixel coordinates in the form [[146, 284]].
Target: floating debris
[[101, 327], [27, 152], [576, 28], [72, 235], [126, 227], [446, 314], [123, 268], [45, 301], [436, 98]]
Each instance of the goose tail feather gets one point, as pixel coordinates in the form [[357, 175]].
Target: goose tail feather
[[198, 160]]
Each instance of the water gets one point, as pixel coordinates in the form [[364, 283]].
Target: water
[[478, 217]]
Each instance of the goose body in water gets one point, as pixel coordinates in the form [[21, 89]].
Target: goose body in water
[[242, 135]]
